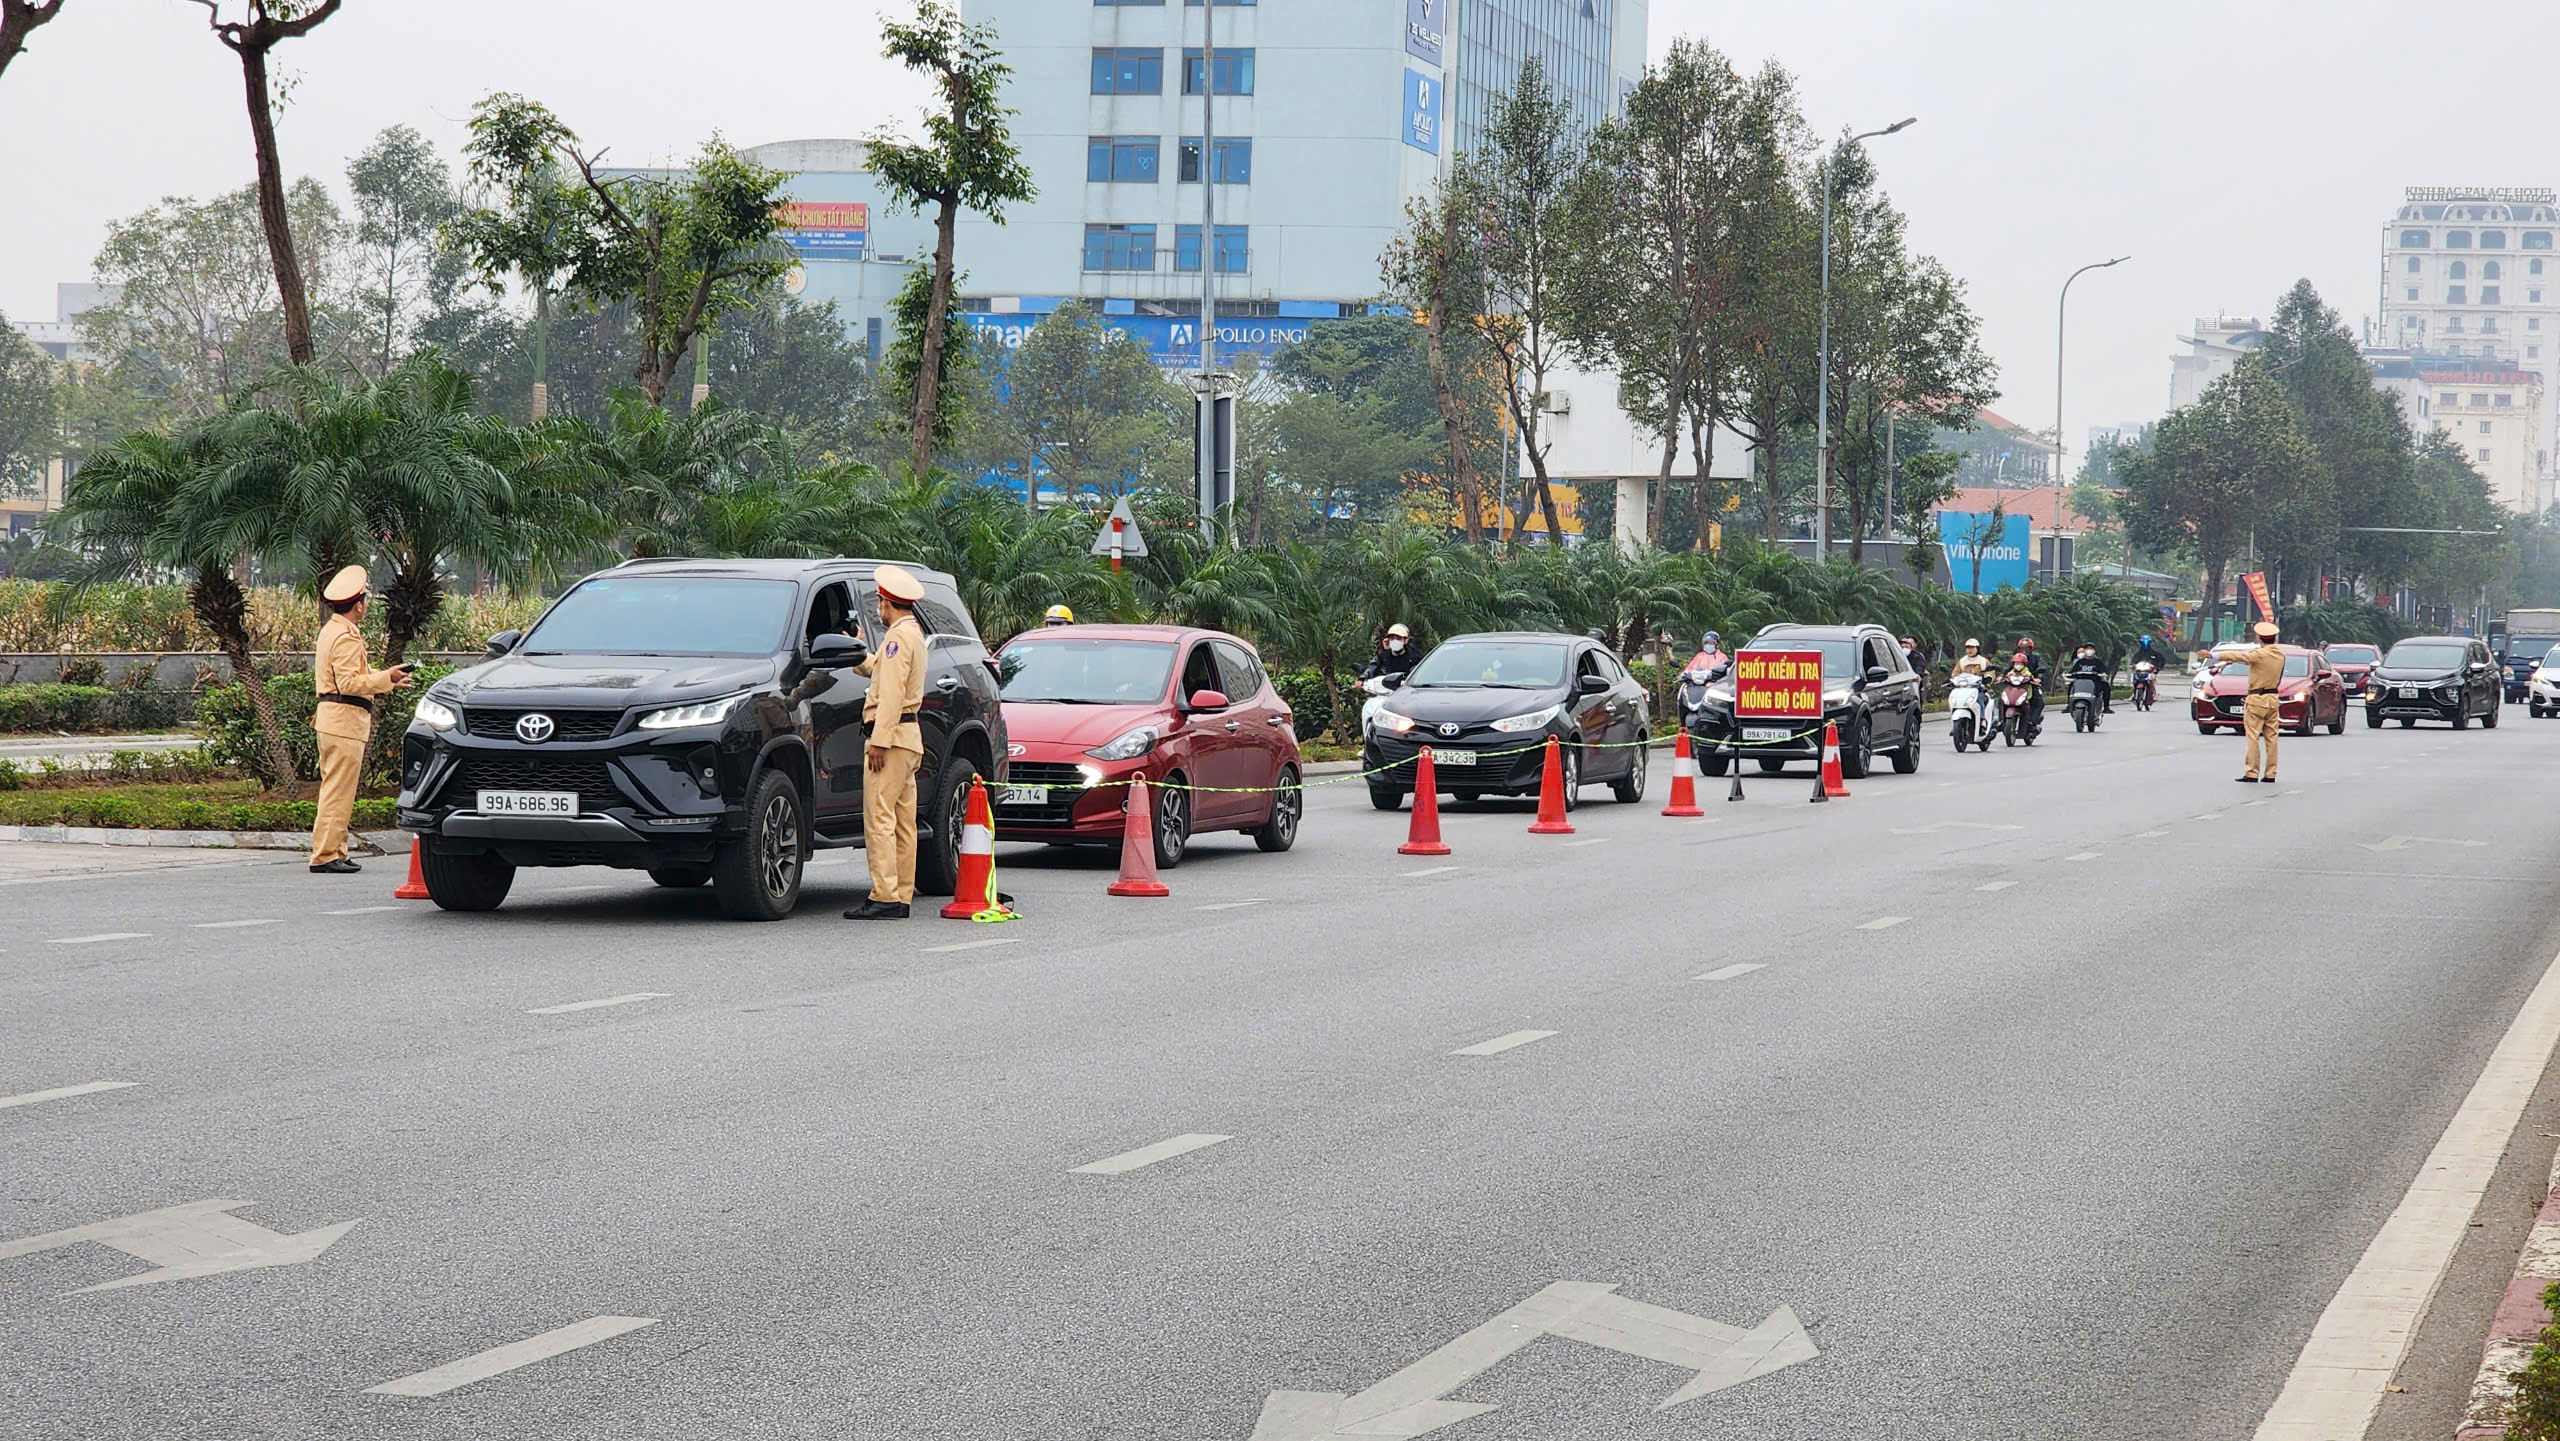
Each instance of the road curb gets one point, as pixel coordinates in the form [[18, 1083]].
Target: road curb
[[2519, 1320], [389, 843]]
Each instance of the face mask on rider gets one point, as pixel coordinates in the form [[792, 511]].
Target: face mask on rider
[[1395, 645]]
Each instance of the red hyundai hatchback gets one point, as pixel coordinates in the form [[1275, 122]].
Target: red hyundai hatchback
[[1086, 705]]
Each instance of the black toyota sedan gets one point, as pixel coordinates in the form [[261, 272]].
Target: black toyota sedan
[[2434, 677], [1486, 704], [1868, 690]]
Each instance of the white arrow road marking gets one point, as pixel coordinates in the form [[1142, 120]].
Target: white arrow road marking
[[1727, 973], [1409, 1402], [1164, 1150], [101, 936], [593, 1005], [196, 1239], [1936, 827], [1882, 923], [1502, 1043], [498, 1360], [58, 1093], [2402, 843]]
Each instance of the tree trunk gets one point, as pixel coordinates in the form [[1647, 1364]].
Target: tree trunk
[[1770, 444], [1702, 450], [1662, 477], [271, 212], [1435, 332], [223, 610], [928, 401], [1340, 728]]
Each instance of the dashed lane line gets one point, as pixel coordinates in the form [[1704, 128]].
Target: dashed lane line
[[515, 1355], [633, 998], [1164, 1150], [1499, 1044], [363, 911], [1882, 923], [232, 925], [64, 1093], [1229, 905], [1995, 885], [1741, 968], [971, 945], [2149, 835], [101, 936], [1431, 871], [1587, 841], [2082, 856]]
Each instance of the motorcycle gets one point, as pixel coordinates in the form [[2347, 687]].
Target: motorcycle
[[1969, 717], [1377, 687], [2146, 684], [1694, 681], [2017, 708], [2085, 702]]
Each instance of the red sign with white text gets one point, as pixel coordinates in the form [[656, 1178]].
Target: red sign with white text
[[2257, 583], [1777, 685]]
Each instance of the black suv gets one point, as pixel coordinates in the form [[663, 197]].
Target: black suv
[[1868, 690], [697, 719], [2434, 677]]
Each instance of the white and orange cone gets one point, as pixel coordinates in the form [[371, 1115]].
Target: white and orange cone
[[1138, 847], [975, 891], [1684, 780], [1828, 786]]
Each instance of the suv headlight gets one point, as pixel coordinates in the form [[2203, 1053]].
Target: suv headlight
[[435, 715], [1127, 746], [698, 713], [1394, 721], [1532, 721]]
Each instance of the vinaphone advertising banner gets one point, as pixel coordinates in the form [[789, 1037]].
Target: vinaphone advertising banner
[[1999, 542]]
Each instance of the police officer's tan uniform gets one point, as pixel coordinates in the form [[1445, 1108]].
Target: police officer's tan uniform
[[2259, 713], [895, 749], [343, 721]]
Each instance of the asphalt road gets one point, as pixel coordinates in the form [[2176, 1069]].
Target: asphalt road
[[2072, 1083]]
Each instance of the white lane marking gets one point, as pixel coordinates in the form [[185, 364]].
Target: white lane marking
[[970, 945], [2360, 1340], [58, 1093], [1164, 1150], [2332, 782], [1882, 923], [498, 1360], [2082, 856], [2251, 805], [231, 925], [1588, 841], [363, 911], [101, 936], [1500, 1044], [572, 890], [1229, 905], [1726, 973], [1432, 871], [1995, 885], [2210, 816], [592, 1005], [2147, 835]]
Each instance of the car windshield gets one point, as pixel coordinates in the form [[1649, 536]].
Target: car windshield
[[666, 615], [1086, 672], [1837, 665], [1511, 664], [2294, 666], [2413, 655], [2521, 647], [2353, 655]]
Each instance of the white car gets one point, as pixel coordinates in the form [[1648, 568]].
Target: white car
[[2542, 693]]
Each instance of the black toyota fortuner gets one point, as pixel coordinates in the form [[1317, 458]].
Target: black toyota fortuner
[[697, 719]]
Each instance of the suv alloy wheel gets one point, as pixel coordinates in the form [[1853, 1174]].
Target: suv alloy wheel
[[757, 876], [938, 864], [463, 883]]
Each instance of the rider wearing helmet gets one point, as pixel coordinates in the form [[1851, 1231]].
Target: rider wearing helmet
[[1057, 615], [2035, 667], [1710, 657], [1395, 659], [1972, 662], [2084, 661]]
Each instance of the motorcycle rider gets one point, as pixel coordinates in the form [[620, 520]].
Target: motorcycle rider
[[1395, 659], [2085, 662], [1710, 656], [2022, 672], [2035, 667], [1973, 661], [1057, 615]]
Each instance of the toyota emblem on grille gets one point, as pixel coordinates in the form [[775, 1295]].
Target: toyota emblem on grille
[[1448, 728], [534, 728]]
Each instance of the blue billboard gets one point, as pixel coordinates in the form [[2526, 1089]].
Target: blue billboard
[[1426, 29], [1172, 342], [1422, 104], [1984, 552]]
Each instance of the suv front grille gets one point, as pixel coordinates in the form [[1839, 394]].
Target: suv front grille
[[592, 780], [571, 725]]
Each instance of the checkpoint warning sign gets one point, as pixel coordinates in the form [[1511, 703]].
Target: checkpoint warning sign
[[1778, 685]]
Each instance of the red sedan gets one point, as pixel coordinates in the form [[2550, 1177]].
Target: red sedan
[[2309, 695], [1088, 705], [2354, 665]]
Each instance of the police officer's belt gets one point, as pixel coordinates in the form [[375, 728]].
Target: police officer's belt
[[2262, 692], [902, 720], [359, 702]]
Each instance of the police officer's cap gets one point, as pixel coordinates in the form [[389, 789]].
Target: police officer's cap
[[346, 585], [2264, 630], [898, 585]]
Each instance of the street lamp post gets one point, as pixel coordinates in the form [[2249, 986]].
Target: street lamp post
[[2062, 446], [1822, 380]]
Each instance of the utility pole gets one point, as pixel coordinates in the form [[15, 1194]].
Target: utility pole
[[1212, 431], [2061, 444], [1822, 380]]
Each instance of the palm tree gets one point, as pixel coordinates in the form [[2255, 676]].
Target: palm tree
[[1316, 619]]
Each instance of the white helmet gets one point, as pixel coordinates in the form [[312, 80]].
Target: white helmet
[[1398, 630], [1971, 644]]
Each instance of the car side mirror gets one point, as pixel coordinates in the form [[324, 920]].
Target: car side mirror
[[503, 642], [837, 650], [1207, 700], [1878, 675], [1594, 684], [1393, 682]]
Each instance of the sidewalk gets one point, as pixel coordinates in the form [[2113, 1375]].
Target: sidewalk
[[87, 751]]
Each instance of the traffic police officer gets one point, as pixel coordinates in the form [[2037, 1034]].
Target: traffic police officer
[[2259, 713], [896, 748], [343, 721]]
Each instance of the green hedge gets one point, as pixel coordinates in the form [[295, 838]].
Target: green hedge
[[121, 812], [230, 728], [1311, 708], [93, 709]]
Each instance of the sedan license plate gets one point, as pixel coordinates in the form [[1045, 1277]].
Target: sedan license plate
[[2408, 692], [1764, 733], [1453, 758], [1023, 796], [528, 803]]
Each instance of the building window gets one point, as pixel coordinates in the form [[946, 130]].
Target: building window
[[2484, 455], [2489, 296], [2506, 402], [2448, 398], [2413, 265], [1121, 157], [2456, 294], [1128, 72], [2488, 270], [2458, 271], [2453, 325], [2533, 297], [2484, 425], [1233, 252], [2537, 240], [1119, 247], [2414, 239], [871, 338], [1234, 77], [2457, 240], [2488, 325], [2533, 322], [1231, 158], [2533, 352], [2493, 240], [2480, 399], [1128, 2], [2413, 294]]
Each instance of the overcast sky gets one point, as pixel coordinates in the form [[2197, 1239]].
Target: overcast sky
[[2228, 148]]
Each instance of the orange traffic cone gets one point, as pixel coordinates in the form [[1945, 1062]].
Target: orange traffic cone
[[1551, 821], [1684, 780], [1138, 847], [1828, 785], [414, 888], [975, 892], [1424, 838]]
